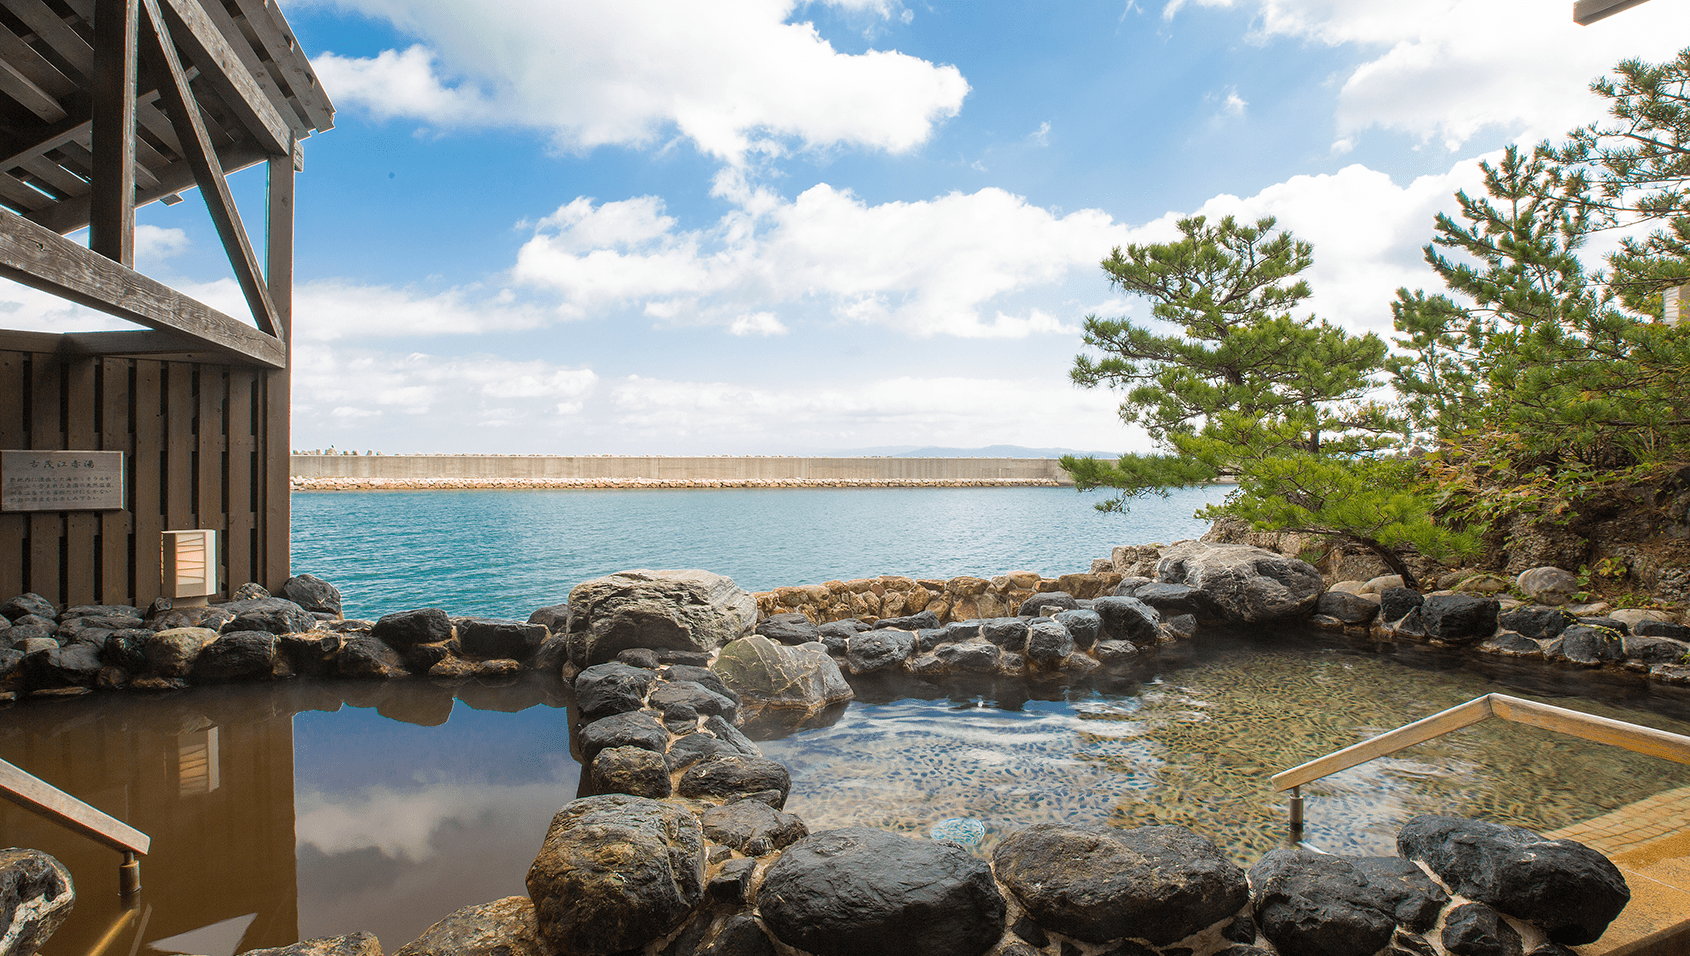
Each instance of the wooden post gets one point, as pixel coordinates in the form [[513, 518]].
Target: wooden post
[[277, 396], [111, 231]]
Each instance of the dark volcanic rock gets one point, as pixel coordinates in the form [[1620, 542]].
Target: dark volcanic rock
[[792, 628], [970, 657], [855, 891], [1009, 633], [616, 872], [1583, 644], [1655, 650], [635, 729], [407, 628], [496, 640], [1127, 619], [752, 828], [235, 656], [877, 650], [631, 770], [75, 665], [1349, 608], [1115, 653], [364, 657], [311, 654], [1085, 624], [273, 614], [554, 618], [31, 603], [692, 748], [36, 895], [1677, 632], [1459, 618], [506, 927], [1097, 883], [1395, 603], [1171, 599], [1035, 605], [1241, 584], [910, 622], [691, 694], [724, 777], [1474, 929], [213, 616], [607, 689], [1535, 620], [1315, 904], [1048, 642], [312, 593], [1570, 890]]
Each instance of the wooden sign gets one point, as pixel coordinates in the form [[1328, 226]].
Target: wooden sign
[[61, 480]]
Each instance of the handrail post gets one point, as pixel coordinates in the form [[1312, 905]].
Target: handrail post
[[129, 875], [1296, 815]]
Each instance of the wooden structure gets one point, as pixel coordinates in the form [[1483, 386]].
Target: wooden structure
[[1586, 12], [106, 105]]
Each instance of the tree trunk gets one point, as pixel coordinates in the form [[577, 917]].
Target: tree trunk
[[1392, 560]]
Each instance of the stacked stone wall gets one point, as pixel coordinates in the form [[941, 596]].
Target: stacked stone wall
[[950, 599]]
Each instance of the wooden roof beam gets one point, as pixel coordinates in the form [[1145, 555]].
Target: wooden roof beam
[[203, 43], [69, 215], [42, 259], [1586, 12]]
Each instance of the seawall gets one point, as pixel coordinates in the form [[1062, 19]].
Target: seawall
[[332, 472]]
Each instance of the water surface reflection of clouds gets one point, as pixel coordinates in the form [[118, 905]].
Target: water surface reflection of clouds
[[395, 818]]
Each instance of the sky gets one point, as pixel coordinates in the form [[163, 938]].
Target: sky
[[773, 227]]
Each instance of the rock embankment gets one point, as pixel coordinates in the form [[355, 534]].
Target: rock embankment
[[344, 483]]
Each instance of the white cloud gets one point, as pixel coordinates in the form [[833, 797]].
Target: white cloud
[[932, 267], [155, 244], [1442, 70], [337, 384], [733, 76], [1234, 104], [1040, 136], [757, 323]]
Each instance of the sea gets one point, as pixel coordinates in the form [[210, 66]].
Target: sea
[[502, 554]]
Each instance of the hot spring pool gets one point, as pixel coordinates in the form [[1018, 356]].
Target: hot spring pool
[[289, 811]]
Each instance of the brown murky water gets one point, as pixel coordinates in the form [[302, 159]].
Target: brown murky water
[[292, 811]]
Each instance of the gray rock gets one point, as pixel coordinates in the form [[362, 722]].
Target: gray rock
[[1395, 603], [366, 657], [1115, 653], [1127, 619], [1474, 929], [1048, 642], [353, 944], [792, 628], [498, 640], [1097, 883], [506, 927], [679, 610], [1656, 650], [1459, 618], [692, 748], [855, 891], [969, 657], [691, 694], [724, 777], [635, 729], [311, 654], [236, 656], [1677, 632], [73, 665], [1567, 888], [249, 591], [1316, 904], [1536, 621], [100, 610], [1084, 624], [1008, 633], [1548, 585], [406, 629], [30, 603], [1510, 644], [775, 684], [614, 688], [878, 650], [1242, 584], [212, 616], [36, 895], [273, 614], [1591, 646], [1035, 605], [1170, 599], [752, 828], [910, 622], [615, 872], [1348, 608], [730, 735], [554, 618], [313, 594], [631, 770]]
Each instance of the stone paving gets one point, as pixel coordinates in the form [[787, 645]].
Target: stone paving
[[1650, 843]]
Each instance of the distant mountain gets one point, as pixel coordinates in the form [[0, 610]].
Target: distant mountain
[[1000, 451]]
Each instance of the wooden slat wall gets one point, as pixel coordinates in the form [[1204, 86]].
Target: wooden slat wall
[[196, 440]]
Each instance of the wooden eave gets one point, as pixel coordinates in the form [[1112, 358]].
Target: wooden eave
[[1586, 12], [251, 96]]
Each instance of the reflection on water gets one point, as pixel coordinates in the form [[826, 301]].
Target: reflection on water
[[292, 811], [299, 810]]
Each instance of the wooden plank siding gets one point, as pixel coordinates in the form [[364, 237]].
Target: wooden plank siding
[[195, 439]]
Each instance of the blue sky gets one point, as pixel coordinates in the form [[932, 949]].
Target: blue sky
[[772, 227]]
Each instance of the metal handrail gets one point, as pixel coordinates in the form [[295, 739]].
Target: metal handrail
[[1618, 733], [37, 795]]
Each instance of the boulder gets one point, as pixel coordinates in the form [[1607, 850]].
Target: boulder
[[1415, 899], [504, 927], [1008, 633], [313, 594], [1459, 618], [1548, 585], [1169, 599], [100, 610], [1348, 608], [1127, 619], [969, 657], [910, 622], [634, 729], [74, 665], [604, 690], [1115, 653], [366, 657], [692, 748], [1096, 883], [723, 777], [1656, 650], [729, 734], [693, 697], [1474, 929], [1056, 600], [791, 628], [1241, 584], [212, 616], [30, 603], [631, 770], [172, 653], [1396, 602], [1591, 646], [273, 614], [311, 654], [679, 610], [237, 656], [1084, 624], [1567, 888], [1677, 632], [856, 890], [352, 944], [878, 650], [406, 629], [36, 894], [1535, 621], [778, 685], [554, 618], [1048, 642], [751, 827], [615, 872], [1316, 904]]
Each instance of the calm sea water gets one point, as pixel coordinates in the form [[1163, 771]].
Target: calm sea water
[[505, 553]]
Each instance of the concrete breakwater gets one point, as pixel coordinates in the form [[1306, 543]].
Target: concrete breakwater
[[356, 472]]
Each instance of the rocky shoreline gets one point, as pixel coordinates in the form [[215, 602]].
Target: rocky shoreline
[[680, 845], [525, 484]]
